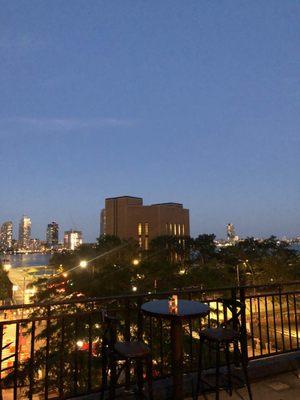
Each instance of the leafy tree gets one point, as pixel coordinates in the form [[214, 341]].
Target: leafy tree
[[261, 261], [5, 285], [204, 248]]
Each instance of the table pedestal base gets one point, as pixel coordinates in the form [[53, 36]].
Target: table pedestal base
[[177, 358]]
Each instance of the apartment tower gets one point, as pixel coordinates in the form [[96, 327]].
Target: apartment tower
[[24, 232], [6, 235], [72, 239], [52, 235]]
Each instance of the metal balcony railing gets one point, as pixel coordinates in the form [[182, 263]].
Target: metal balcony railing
[[54, 350]]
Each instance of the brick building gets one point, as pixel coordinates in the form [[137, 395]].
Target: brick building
[[127, 217]]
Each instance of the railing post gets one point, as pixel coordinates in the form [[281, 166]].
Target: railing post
[[233, 298], [281, 316], [127, 338], [16, 362], [1, 346], [139, 320], [244, 345], [48, 323]]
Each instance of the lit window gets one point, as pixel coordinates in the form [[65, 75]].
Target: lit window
[[146, 229], [170, 229], [140, 229], [146, 243], [183, 230], [140, 242], [179, 230], [175, 229]]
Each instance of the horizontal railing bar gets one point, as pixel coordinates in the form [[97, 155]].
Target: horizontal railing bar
[[86, 313], [271, 294], [46, 318], [149, 295]]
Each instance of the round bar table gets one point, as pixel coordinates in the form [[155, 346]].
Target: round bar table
[[187, 309]]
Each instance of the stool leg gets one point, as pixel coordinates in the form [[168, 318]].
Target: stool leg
[[199, 372], [149, 377], [227, 353], [245, 370], [217, 370], [104, 379], [113, 381], [139, 374]]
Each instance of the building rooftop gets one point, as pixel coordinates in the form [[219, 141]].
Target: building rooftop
[[168, 204], [124, 197], [172, 204]]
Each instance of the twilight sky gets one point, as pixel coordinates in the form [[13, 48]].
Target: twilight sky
[[190, 101]]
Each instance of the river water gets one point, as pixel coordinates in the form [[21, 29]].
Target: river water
[[296, 247], [28, 260]]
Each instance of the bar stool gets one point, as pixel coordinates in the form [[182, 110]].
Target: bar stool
[[228, 334], [116, 355]]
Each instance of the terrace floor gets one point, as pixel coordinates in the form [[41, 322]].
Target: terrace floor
[[284, 386], [272, 378], [281, 387]]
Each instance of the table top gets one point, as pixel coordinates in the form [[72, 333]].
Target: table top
[[186, 309]]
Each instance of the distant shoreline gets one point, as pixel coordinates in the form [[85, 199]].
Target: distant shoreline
[[27, 260]]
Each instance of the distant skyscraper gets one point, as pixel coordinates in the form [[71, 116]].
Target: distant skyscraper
[[231, 236], [72, 239], [6, 235], [24, 232], [52, 234]]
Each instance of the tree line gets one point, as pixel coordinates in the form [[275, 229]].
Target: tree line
[[120, 267]]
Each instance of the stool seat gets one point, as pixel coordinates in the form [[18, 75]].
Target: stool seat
[[220, 334], [132, 349]]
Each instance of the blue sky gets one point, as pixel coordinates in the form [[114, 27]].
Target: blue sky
[[189, 101]]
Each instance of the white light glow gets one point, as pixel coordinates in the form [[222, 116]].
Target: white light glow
[[83, 264]]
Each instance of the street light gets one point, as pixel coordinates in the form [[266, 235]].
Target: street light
[[6, 267], [135, 262], [244, 264], [83, 264]]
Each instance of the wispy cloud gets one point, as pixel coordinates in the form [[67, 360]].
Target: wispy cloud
[[20, 42], [62, 125]]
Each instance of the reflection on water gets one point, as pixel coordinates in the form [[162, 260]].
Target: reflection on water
[[28, 260]]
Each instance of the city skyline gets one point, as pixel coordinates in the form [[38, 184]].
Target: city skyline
[[63, 229], [194, 103]]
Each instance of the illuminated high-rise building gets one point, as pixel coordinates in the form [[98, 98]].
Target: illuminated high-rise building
[[52, 235], [231, 236], [6, 235], [72, 239], [24, 232]]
